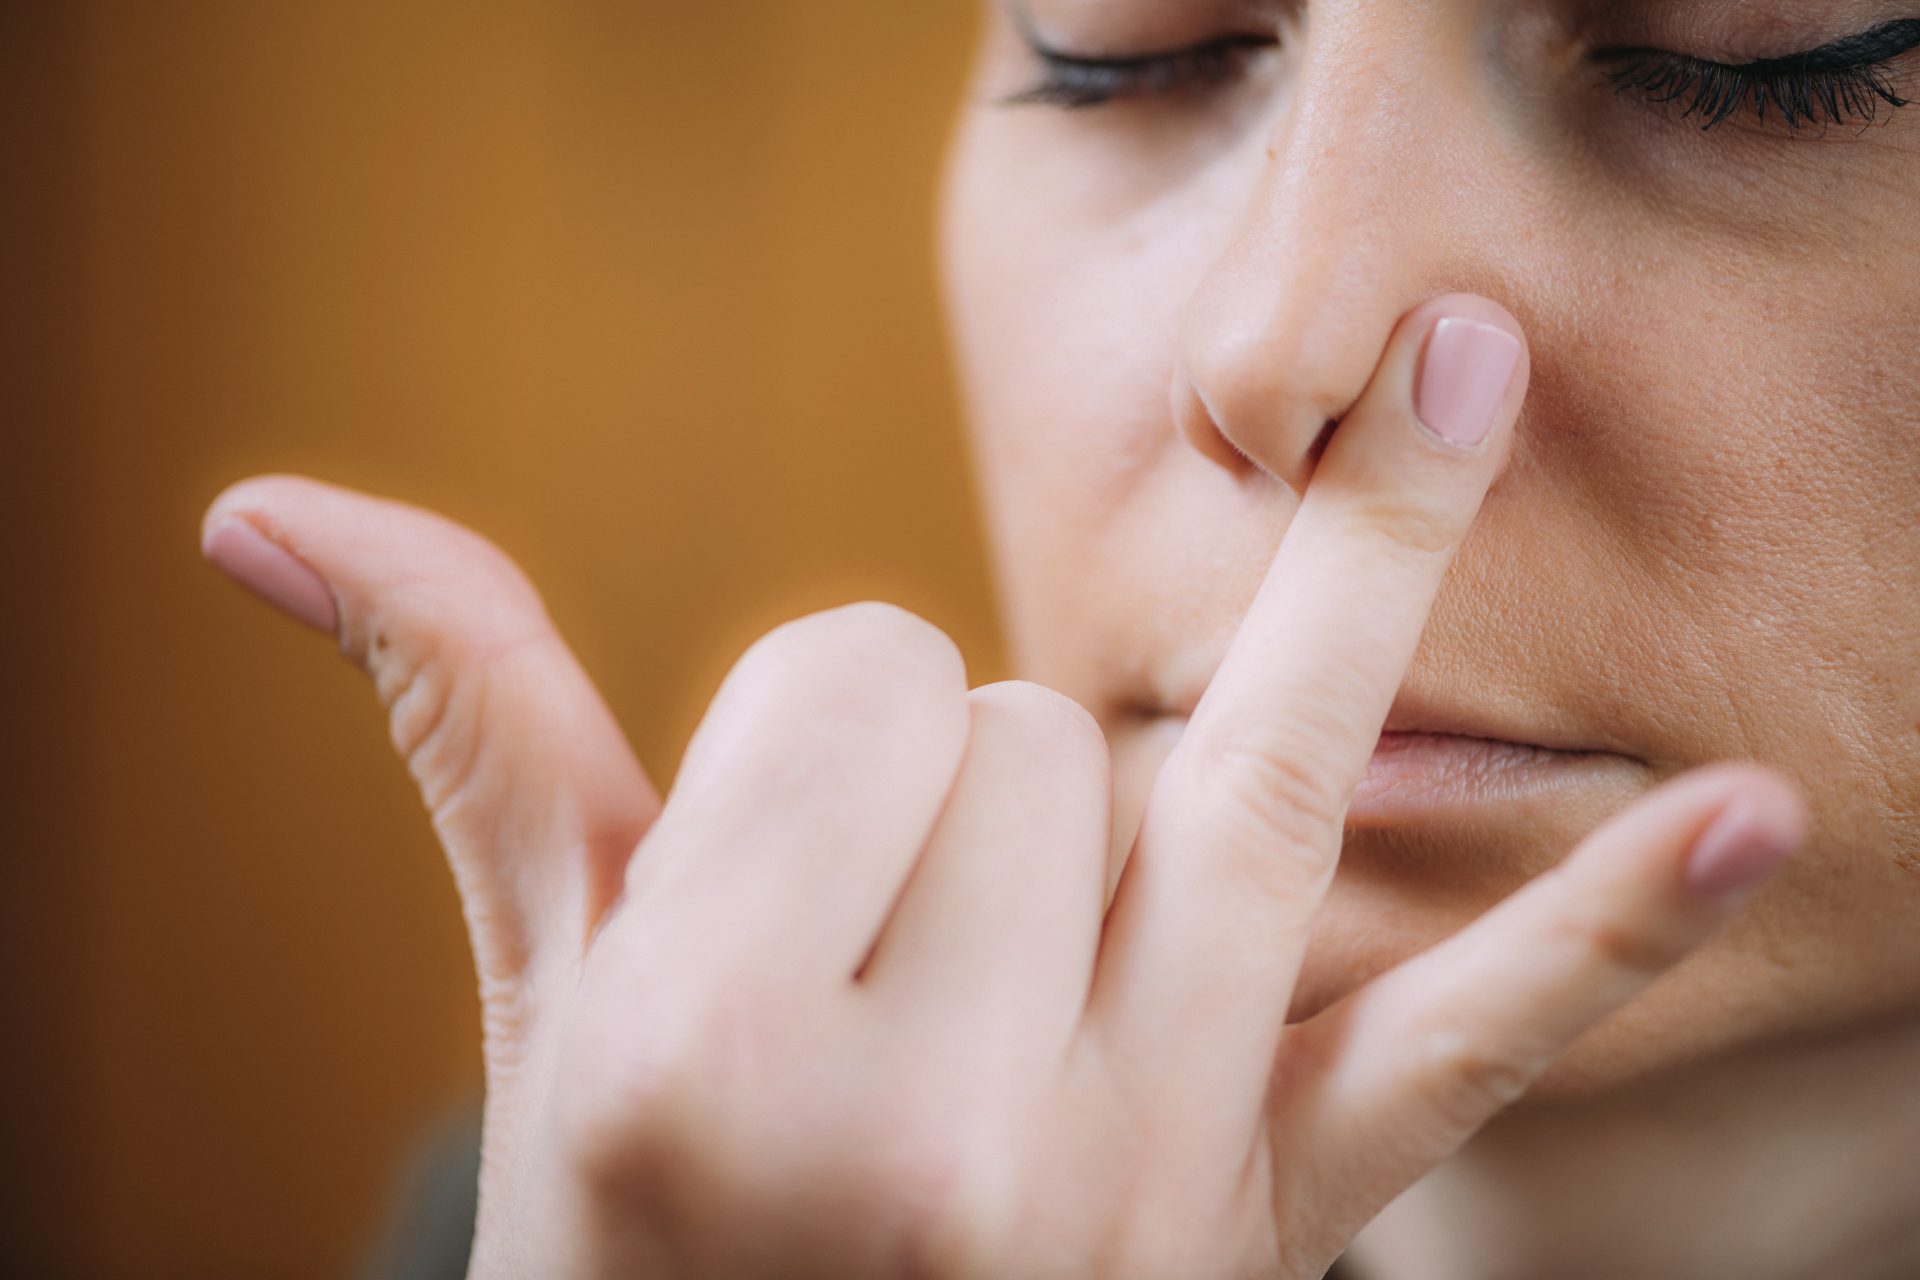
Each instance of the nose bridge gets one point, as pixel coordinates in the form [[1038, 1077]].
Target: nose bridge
[[1344, 232]]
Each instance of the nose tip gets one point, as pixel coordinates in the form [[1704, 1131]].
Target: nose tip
[[1195, 419], [1199, 423], [1260, 398]]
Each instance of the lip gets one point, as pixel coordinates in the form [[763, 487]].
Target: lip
[[1432, 762], [1417, 712], [1420, 774]]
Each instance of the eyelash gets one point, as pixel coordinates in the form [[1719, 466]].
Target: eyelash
[[1850, 79], [1077, 82]]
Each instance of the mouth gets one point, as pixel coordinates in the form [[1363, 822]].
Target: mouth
[[1429, 764], [1413, 775]]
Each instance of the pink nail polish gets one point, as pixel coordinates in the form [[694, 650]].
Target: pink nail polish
[[1738, 850], [1463, 379], [271, 572]]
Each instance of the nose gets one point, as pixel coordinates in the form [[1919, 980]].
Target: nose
[[1365, 208]]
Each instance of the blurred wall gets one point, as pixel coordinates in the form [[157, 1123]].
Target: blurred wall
[[640, 289]]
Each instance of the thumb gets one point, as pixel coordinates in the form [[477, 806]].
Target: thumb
[[536, 795]]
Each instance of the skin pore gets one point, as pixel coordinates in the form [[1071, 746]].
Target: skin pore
[[1167, 277]]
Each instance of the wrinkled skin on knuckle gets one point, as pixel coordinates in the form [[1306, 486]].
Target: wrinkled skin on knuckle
[[1467, 1079], [438, 713], [508, 1012], [1418, 525], [1264, 790], [477, 587], [432, 719], [1637, 948], [434, 678]]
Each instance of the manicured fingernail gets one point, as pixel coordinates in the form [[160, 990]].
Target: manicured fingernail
[[1463, 379], [1738, 850], [271, 572]]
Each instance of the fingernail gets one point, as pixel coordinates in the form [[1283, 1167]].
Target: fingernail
[[1738, 850], [1463, 379], [271, 572]]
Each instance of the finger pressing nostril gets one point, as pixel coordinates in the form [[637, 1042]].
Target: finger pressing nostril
[[1463, 380]]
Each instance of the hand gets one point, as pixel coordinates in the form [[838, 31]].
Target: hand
[[853, 1003]]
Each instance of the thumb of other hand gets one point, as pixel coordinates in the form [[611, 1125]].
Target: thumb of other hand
[[532, 787]]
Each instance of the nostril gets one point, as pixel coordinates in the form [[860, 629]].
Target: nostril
[[1194, 418]]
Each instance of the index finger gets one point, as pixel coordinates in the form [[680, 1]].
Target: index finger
[[1241, 831]]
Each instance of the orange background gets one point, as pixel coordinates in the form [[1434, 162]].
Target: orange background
[[639, 289]]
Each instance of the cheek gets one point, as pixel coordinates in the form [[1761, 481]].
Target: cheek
[[1743, 447], [1064, 327], [1067, 323], [1719, 479], [1067, 300]]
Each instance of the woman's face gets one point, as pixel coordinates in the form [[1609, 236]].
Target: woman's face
[[1166, 276]]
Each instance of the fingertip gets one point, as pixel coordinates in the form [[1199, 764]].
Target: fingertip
[[1474, 307], [1469, 369], [242, 550], [1775, 795], [250, 496], [1756, 829], [219, 511]]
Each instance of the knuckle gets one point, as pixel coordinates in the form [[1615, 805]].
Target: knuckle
[[921, 1184], [1257, 787], [503, 578], [870, 652], [953, 1206], [1046, 714], [1620, 944], [624, 1109], [884, 633], [1468, 1079], [1411, 520], [472, 600], [644, 1098], [412, 674], [436, 688], [432, 645]]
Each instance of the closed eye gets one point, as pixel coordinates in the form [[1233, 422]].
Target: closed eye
[[1076, 80], [1850, 80]]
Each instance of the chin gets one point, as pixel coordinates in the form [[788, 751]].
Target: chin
[[1416, 875], [1372, 921]]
